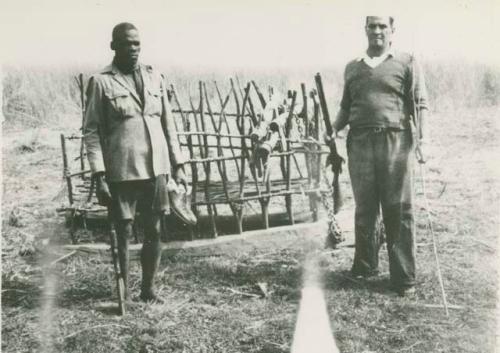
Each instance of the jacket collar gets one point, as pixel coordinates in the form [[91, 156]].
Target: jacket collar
[[118, 76], [113, 69]]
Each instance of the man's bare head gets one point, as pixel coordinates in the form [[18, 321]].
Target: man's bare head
[[120, 29], [379, 31], [391, 19], [126, 44]]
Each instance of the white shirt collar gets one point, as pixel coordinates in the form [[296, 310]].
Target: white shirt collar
[[376, 60]]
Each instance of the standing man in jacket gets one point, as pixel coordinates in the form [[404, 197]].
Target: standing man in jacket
[[382, 88], [132, 148]]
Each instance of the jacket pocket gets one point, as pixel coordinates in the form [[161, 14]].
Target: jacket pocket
[[121, 103], [154, 102]]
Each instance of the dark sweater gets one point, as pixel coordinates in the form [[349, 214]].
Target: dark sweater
[[380, 96]]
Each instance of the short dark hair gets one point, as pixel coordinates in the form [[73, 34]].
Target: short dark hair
[[120, 28], [391, 20]]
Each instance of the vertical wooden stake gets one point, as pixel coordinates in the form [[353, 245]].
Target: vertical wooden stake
[[315, 165], [194, 177], [288, 198], [206, 165], [66, 169], [224, 118], [264, 204], [82, 102], [221, 165], [239, 123], [307, 146], [194, 168]]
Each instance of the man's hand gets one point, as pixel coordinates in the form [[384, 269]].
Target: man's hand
[[329, 138], [102, 190], [421, 151], [180, 177]]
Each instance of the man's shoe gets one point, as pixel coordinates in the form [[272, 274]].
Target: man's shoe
[[179, 204]]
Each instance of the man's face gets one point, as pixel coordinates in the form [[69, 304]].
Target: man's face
[[127, 46], [379, 31]]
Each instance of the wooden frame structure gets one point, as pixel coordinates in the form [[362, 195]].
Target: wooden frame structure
[[219, 139], [217, 135]]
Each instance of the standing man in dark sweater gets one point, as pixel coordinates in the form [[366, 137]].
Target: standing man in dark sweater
[[381, 89]]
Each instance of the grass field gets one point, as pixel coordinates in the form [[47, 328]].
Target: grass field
[[214, 303]]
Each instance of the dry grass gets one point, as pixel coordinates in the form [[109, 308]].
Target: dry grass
[[204, 310]]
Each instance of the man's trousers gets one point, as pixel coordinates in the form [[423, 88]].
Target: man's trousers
[[380, 168]]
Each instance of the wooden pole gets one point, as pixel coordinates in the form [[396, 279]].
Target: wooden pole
[[207, 146], [288, 198], [264, 201], [194, 167], [206, 165], [204, 133], [250, 108], [223, 118], [180, 111], [318, 136], [245, 155], [197, 126], [82, 103], [262, 195], [307, 155], [190, 111], [315, 160], [225, 146], [67, 176], [259, 94], [245, 147], [304, 115], [221, 164], [224, 102], [251, 165], [66, 172], [240, 209], [194, 189]]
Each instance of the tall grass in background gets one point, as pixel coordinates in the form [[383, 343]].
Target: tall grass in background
[[35, 97], [454, 85]]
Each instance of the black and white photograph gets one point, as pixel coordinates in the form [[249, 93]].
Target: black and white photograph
[[281, 176]]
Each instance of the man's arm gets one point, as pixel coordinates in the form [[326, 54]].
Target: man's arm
[[341, 120], [93, 125], [92, 129], [168, 124], [422, 125], [420, 98], [174, 148], [420, 105]]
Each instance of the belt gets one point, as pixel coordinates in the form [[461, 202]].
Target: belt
[[376, 129]]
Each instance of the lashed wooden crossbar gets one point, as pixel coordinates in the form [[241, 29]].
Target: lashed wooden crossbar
[[216, 136]]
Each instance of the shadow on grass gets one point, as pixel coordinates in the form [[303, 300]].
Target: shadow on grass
[[95, 229], [343, 280], [19, 293], [282, 275], [87, 285]]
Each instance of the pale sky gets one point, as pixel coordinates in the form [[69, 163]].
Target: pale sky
[[253, 34]]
